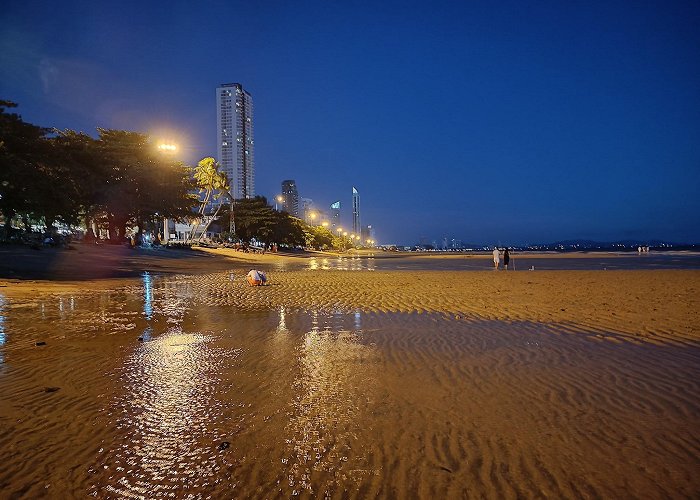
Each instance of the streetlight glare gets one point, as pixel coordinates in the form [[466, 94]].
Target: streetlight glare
[[167, 147]]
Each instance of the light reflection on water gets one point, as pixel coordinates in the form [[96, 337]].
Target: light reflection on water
[[330, 400], [521, 262], [147, 296], [356, 263], [147, 305], [174, 411], [167, 411]]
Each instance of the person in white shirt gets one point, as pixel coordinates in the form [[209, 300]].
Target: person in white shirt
[[496, 257]]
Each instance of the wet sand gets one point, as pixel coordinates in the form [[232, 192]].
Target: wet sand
[[651, 305], [352, 384]]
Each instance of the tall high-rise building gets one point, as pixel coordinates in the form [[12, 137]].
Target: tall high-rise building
[[367, 234], [234, 120], [307, 208], [290, 198], [355, 211], [335, 214]]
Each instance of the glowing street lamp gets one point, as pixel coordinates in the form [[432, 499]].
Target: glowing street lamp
[[324, 223], [166, 147], [278, 199]]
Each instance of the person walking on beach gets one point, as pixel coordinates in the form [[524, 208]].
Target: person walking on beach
[[506, 258], [496, 258]]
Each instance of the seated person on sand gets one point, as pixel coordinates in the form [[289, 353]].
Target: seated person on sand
[[256, 278]]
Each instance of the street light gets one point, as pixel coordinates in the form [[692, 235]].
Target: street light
[[166, 147], [278, 199]]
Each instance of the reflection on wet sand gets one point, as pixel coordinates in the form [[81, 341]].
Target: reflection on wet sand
[[168, 403], [340, 263], [330, 402], [162, 392]]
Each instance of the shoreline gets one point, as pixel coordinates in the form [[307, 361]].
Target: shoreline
[[658, 306]]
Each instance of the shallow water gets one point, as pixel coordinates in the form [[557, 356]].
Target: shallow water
[[146, 392], [519, 262]]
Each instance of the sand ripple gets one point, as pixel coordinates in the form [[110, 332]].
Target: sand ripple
[[187, 386], [658, 306]]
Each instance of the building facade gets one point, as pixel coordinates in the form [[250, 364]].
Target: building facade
[[355, 211], [235, 143], [290, 198], [335, 214], [367, 235], [308, 211]]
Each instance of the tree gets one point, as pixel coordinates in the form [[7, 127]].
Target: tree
[[214, 184], [140, 184], [317, 237], [70, 175], [22, 147]]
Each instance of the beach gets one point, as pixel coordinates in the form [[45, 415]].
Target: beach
[[342, 378]]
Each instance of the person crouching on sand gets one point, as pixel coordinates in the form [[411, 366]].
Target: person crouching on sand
[[496, 258]]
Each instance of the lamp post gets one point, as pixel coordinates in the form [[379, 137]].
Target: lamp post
[[278, 199]]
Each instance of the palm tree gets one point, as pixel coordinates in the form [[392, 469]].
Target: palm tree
[[214, 185]]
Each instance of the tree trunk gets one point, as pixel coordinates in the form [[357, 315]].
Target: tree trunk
[[204, 231], [201, 211]]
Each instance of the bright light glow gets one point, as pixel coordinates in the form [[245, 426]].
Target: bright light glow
[[280, 198], [167, 148], [324, 223]]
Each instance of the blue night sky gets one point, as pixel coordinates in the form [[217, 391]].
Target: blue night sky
[[509, 122]]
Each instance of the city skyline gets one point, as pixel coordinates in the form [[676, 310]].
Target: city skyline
[[536, 123]]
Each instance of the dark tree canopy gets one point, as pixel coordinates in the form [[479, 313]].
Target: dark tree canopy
[[69, 176]]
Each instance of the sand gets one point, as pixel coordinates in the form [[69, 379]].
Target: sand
[[650, 305], [348, 384]]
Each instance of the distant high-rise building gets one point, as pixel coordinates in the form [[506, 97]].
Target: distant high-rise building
[[355, 211], [367, 234], [335, 214], [235, 145], [307, 208], [290, 198]]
